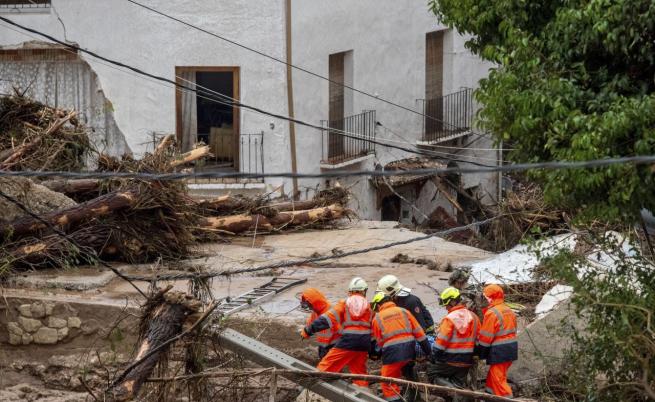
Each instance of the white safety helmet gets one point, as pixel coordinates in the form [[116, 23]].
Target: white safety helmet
[[389, 285], [357, 284]]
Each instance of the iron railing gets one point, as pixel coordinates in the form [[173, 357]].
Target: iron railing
[[251, 153], [250, 158], [447, 116], [23, 4], [337, 148]]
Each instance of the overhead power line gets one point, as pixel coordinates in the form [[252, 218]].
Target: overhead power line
[[228, 100], [519, 167], [286, 63]]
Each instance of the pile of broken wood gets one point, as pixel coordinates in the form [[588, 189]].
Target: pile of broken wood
[[132, 220]]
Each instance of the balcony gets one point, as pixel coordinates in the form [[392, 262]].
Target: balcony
[[447, 117], [339, 150]]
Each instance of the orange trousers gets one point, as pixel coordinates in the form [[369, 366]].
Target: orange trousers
[[497, 379], [336, 359], [391, 392]]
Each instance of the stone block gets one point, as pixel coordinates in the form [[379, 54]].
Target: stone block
[[14, 328], [15, 339], [29, 324], [38, 310], [46, 336], [54, 322], [62, 333], [24, 310], [48, 308], [74, 322], [27, 339]]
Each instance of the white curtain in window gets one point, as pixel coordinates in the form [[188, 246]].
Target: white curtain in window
[[189, 111]]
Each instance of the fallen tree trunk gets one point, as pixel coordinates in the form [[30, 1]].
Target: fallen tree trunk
[[163, 322], [244, 223], [226, 204], [72, 187], [101, 206], [190, 156]]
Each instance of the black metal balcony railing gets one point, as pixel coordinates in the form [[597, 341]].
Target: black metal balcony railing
[[251, 153], [337, 147], [447, 115], [22, 4], [224, 157]]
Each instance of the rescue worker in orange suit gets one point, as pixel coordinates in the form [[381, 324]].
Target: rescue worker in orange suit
[[454, 346], [497, 340], [312, 300], [353, 318], [396, 331]]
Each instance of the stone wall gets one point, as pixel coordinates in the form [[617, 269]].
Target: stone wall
[[44, 323]]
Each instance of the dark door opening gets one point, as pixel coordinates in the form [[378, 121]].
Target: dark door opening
[[206, 116], [216, 120]]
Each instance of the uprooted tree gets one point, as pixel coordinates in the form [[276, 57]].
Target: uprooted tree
[[574, 81]]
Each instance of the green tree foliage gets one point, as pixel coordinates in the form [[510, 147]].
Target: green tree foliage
[[575, 80], [614, 359]]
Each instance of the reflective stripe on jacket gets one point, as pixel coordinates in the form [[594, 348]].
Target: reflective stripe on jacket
[[352, 334], [497, 338], [395, 330], [457, 337], [324, 337]]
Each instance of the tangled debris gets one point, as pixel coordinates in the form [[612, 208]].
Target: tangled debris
[[122, 219], [34, 136]]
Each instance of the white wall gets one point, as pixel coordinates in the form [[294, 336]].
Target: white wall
[[122, 31], [387, 39]]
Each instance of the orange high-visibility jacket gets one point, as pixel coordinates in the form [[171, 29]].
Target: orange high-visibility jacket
[[396, 330], [354, 331], [497, 339], [457, 337], [329, 336]]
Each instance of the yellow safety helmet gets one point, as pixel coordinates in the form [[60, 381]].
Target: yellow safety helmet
[[377, 298], [448, 295]]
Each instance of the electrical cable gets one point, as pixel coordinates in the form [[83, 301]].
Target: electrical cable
[[518, 167], [304, 261], [231, 101]]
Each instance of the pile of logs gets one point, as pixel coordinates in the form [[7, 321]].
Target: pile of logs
[[143, 221]]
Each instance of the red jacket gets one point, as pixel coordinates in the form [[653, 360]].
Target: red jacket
[[354, 327]]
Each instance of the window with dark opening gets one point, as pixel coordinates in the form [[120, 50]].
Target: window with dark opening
[[206, 116], [433, 82], [216, 119]]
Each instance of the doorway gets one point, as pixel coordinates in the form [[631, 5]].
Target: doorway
[[208, 117]]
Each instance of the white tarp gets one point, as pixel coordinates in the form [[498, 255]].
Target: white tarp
[[552, 298], [516, 265]]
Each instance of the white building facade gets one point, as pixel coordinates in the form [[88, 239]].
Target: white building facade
[[390, 49]]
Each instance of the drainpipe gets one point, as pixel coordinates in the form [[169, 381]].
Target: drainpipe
[[292, 125]]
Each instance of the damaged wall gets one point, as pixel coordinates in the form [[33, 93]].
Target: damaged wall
[[59, 78], [140, 38], [389, 60]]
